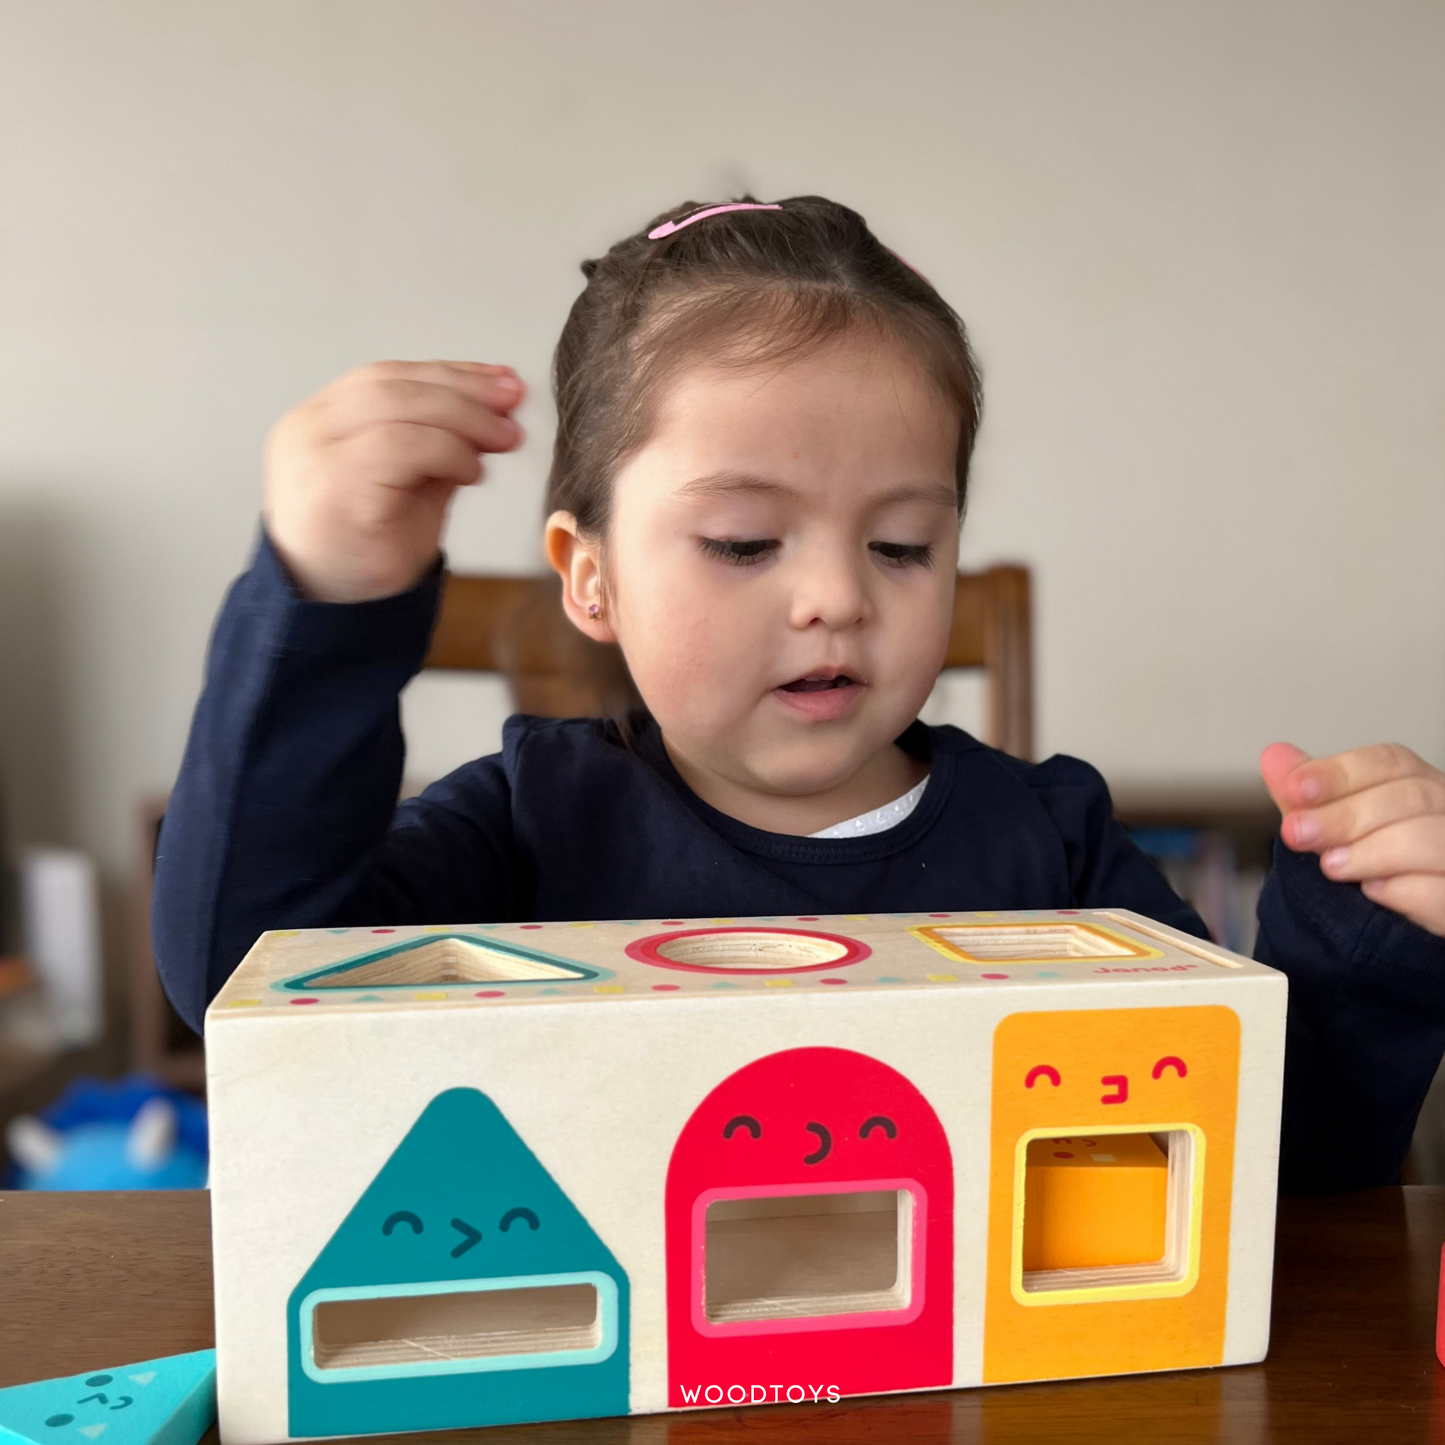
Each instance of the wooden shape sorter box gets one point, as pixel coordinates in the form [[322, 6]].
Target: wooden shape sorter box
[[481, 1174]]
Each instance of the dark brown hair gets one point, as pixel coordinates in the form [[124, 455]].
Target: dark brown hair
[[749, 287]]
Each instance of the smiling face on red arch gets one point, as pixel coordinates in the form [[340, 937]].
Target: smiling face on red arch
[[805, 1121], [779, 572]]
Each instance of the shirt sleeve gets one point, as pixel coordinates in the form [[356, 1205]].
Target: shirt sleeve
[[284, 813], [1366, 1026], [1107, 869]]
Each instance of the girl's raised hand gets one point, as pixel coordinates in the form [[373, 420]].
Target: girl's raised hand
[[358, 478], [1376, 817]]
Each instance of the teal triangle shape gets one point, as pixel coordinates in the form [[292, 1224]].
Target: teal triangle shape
[[462, 1198], [176, 1405]]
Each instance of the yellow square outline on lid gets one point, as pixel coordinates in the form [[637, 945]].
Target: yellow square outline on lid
[[930, 935]]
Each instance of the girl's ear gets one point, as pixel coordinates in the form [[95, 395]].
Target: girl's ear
[[578, 563]]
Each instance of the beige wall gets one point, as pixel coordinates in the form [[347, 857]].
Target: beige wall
[[1199, 246]]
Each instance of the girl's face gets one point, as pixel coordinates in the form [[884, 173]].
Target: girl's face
[[779, 570]]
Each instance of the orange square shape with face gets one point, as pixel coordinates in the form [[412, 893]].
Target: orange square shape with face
[[1081, 1075]]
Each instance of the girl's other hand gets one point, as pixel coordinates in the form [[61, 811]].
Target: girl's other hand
[[359, 478], [1376, 817]]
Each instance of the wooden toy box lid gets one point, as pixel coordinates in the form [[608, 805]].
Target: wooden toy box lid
[[299, 972]]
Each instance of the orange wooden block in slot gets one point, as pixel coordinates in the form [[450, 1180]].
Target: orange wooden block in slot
[[1094, 1201]]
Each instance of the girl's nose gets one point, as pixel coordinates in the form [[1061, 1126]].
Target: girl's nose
[[830, 594]]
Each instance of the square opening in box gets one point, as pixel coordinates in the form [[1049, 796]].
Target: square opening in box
[[795, 1255], [1031, 942], [472, 1325], [441, 961], [1106, 1210]]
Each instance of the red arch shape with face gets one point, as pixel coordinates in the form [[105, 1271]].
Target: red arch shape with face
[[866, 1353]]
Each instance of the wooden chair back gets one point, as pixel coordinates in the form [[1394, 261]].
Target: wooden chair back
[[516, 626]]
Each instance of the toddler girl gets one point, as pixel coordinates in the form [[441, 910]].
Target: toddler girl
[[765, 420]]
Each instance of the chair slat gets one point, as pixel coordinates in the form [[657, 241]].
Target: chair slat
[[516, 626]]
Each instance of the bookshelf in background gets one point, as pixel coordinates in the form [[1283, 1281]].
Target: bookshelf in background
[[1213, 844], [35, 1066], [160, 1041], [22, 1056]]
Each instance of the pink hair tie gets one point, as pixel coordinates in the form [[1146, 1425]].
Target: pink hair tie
[[668, 227], [910, 266]]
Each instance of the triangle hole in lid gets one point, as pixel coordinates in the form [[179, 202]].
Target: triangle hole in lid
[[442, 961]]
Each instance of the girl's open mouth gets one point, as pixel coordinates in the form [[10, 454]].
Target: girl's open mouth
[[821, 698], [819, 684]]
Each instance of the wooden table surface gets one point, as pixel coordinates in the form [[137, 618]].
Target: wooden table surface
[[89, 1280]]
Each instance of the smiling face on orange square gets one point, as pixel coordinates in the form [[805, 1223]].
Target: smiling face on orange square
[[1080, 1076]]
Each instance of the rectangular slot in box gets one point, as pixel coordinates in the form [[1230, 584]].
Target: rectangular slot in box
[[796, 1255], [1107, 1210], [475, 1324]]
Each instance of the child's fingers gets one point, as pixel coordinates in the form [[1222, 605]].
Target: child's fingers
[[1277, 764], [1416, 845], [1419, 896], [480, 368], [1322, 780], [399, 454], [1353, 817], [379, 400], [496, 386], [438, 371]]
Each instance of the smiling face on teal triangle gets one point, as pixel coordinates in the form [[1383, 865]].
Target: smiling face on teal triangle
[[461, 1199]]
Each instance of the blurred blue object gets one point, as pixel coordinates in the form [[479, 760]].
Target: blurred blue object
[[137, 1133], [1181, 844]]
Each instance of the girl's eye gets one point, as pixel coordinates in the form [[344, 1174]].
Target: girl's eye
[[899, 554], [740, 554]]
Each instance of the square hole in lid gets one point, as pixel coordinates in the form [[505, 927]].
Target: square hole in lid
[[442, 961], [1031, 942]]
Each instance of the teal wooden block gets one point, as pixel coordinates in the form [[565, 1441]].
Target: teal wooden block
[[155, 1402]]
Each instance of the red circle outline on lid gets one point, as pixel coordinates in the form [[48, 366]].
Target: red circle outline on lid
[[645, 950]]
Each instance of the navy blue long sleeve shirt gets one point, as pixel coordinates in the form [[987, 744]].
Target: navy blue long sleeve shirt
[[284, 816]]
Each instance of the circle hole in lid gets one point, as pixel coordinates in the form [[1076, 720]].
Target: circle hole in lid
[[747, 950]]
